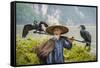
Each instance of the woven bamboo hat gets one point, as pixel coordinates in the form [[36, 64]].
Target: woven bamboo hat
[[50, 29]]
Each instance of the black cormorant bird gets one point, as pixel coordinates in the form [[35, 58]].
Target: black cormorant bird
[[36, 27], [86, 36]]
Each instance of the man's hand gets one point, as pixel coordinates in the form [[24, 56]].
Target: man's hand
[[71, 39]]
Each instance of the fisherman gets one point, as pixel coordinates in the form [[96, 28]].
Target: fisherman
[[52, 51]]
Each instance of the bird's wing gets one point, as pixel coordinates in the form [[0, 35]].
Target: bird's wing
[[26, 29], [25, 32], [85, 35]]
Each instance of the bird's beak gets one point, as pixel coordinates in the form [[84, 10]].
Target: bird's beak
[[79, 28]]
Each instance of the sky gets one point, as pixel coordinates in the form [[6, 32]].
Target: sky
[[55, 14]]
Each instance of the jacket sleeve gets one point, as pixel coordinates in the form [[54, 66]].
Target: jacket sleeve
[[66, 43]]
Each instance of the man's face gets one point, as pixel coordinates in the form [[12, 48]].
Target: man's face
[[57, 31]]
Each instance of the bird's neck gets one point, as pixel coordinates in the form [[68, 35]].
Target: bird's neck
[[82, 29]]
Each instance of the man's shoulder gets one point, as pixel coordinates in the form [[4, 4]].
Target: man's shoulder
[[64, 38], [52, 39]]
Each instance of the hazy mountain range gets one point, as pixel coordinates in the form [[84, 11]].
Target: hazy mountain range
[[55, 14]]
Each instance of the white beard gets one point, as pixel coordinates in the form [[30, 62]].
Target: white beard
[[56, 37]]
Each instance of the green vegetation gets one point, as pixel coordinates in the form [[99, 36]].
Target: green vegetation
[[25, 52], [77, 54]]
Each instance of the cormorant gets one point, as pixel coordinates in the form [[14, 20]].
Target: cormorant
[[86, 36], [36, 27]]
